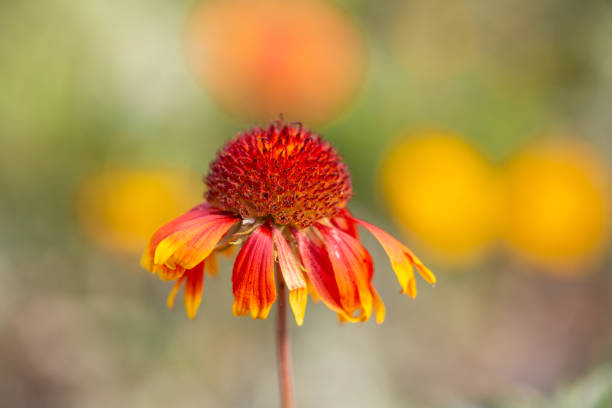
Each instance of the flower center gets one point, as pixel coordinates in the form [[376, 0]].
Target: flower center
[[284, 172]]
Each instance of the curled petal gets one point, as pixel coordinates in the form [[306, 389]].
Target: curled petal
[[195, 240], [403, 260], [194, 284], [353, 270], [253, 275], [169, 228], [166, 273]]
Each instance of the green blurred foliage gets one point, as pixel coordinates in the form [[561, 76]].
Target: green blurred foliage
[[89, 83]]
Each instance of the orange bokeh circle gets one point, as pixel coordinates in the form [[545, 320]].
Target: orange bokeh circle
[[303, 59]]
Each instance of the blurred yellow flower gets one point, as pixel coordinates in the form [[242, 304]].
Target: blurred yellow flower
[[444, 191], [120, 207], [558, 204]]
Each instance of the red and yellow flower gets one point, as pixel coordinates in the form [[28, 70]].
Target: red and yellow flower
[[280, 194]]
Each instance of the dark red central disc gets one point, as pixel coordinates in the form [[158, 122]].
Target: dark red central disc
[[284, 172]]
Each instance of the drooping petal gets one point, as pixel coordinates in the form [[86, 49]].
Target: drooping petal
[[253, 275], [166, 273], [312, 291], [319, 271], [212, 262], [212, 266], [379, 306], [194, 284], [292, 275], [345, 222], [174, 291], [289, 266], [403, 260], [192, 244], [353, 270], [167, 229], [298, 299]]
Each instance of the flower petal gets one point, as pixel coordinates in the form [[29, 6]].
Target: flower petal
[[289, 266], [403, 260], [345, 222], [379, 306], [319, 271], [194, 285], [166, 273], [312, 291], [212, 266], [298, 299], [167, 229], [174, 291], [253, 275], [292, 275], [212, 262], [353, 269], [194, 242]]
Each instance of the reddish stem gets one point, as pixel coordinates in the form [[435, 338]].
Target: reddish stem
[[283, 343]]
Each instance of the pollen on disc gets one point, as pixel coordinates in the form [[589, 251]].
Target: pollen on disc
[[283, 172]]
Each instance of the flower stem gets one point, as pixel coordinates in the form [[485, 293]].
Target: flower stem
[[283, 343]]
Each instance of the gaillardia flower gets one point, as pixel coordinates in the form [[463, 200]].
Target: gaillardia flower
[[280, 194]]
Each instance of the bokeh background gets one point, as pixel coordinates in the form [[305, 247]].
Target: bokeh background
[[479, 132]]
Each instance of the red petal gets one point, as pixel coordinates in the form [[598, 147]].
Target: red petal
[[353, 270], [186, 241], [192, 244], [344, 221], [253, 275], [318, 270], [194, 285], [167, 229]]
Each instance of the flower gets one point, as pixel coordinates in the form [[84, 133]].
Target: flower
[[280, 194], [558, 205], [119, 206], [438, 165], [306, 58]]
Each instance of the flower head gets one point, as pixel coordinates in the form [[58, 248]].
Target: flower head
[[284, 173], [279, 194]]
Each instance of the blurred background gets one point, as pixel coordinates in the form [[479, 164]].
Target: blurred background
[[478, 132]]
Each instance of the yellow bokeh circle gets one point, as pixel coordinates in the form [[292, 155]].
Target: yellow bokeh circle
[[119, 208], [557, 204], [443, 191]]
